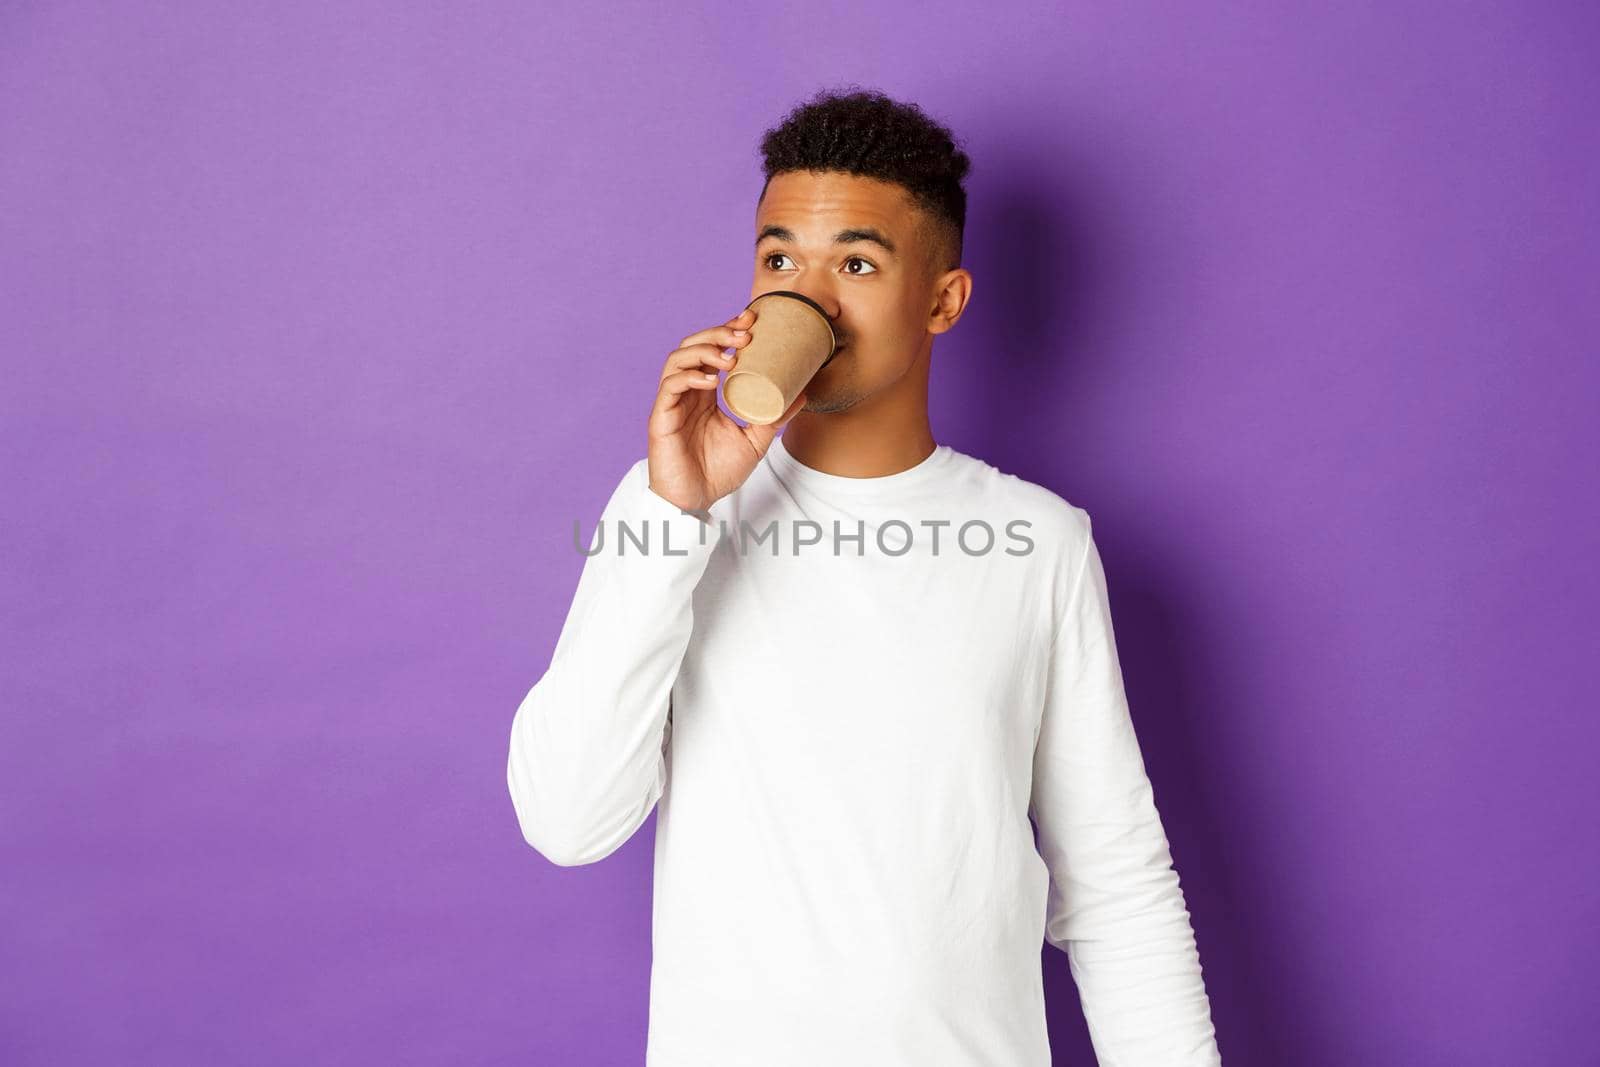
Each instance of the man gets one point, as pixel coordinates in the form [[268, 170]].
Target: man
[[847, 665]]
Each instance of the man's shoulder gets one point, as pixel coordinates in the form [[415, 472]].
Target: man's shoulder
[[1017, 497]]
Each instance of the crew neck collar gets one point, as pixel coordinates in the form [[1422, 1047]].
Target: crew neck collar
[[792, 470]]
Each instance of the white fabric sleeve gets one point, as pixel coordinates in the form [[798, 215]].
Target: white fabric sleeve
[[1115, 905], [587, 760]]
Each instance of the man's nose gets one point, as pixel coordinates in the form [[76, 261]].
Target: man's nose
[[823, 299], [821, 296]]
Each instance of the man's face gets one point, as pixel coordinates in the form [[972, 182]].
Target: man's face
[[879, 298]]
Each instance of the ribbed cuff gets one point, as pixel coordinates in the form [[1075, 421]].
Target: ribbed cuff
[[640, 524]]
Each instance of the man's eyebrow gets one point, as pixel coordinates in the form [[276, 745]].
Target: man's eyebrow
[[843, 237]]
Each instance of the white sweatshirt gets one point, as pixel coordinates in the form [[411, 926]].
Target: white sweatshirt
[[846, 738]]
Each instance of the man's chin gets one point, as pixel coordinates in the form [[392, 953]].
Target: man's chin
[[827, 405]]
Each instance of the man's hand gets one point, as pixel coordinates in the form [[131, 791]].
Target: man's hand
[[697, 454]]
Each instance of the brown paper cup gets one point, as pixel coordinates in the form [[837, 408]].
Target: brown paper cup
[[790, 341]]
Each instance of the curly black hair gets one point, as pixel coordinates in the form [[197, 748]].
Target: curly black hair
[[866, 133]]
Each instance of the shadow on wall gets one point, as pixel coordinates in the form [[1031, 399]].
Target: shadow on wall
[[1044, 283]]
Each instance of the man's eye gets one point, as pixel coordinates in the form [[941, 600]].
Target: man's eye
[[768, 261]]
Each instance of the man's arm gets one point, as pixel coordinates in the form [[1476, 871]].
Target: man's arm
[[587, 758], [1115, 905]]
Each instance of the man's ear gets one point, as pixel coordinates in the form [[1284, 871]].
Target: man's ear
[[952, 291]]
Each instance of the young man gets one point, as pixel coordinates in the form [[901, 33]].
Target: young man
[[847, 665]]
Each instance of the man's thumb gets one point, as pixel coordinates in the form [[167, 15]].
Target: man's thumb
[[765, 434]]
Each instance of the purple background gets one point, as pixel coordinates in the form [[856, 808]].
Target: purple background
[[323, 323]]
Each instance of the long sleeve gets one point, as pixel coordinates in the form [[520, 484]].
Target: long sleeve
[[1115, 905], [587, 759]]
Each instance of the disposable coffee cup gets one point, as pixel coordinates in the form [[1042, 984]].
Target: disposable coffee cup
[[790, 341]]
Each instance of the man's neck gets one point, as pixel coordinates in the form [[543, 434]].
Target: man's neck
[[854, 448]]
